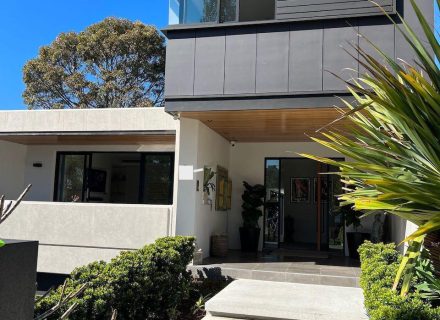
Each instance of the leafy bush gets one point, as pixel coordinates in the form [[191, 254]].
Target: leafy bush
[[149, 283], [379, 264]]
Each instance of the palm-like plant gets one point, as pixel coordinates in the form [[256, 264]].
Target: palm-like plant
[[394, 140]]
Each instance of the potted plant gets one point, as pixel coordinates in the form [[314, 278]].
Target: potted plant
[[252, 202], [354, 238]]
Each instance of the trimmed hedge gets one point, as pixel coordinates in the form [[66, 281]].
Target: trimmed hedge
[[150, 283], [379, 264]]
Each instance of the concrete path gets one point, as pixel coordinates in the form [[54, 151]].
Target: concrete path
[[254, 299]]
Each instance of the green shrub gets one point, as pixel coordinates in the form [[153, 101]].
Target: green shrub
[[149, 283], [379, 264]]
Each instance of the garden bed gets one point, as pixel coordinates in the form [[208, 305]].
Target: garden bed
[[379, 265]]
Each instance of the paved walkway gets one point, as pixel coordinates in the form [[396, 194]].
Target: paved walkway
[[253, 299]]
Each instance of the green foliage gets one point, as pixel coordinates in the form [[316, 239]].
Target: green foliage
[[252, 202], [379, 263], [149, 283], [394, 139], [115, 63], [351, 217], [428, 284]]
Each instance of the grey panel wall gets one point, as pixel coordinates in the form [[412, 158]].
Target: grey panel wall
[[272, 61], [240, 62], [378, 34], [335, 59], [317, 9], [281, 59], [209, 66], [305, 67], [179, 71]]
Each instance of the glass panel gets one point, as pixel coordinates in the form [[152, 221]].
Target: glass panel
[[175, 11], [200, 11], [71, 178], [158, 179], [228, 11], [336, 219], [272, 204]]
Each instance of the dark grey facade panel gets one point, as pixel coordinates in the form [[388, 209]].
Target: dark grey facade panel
[[254, 103], [305, 59], [179, 79], [209, 66], [240, 62], [272, 73], [379, 35], [312, 9], [403, 50], [287, 58], [335, 60]]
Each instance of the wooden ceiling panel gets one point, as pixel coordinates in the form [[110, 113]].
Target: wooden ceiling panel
[[268, 125]]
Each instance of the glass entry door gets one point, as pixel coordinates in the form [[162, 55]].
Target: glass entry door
[[273, 204]]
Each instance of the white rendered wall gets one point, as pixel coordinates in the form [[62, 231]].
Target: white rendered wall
[[199, 146], [12, 163]]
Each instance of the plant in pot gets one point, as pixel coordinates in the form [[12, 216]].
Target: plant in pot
[[252, 202], [354, 238]]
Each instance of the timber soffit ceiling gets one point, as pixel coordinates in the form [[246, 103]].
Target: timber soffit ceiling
[[282, 125]]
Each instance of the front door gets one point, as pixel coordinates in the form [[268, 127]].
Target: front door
[[300, 208]]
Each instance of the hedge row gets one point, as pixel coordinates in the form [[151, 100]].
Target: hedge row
[[379, 264], [150, 283]]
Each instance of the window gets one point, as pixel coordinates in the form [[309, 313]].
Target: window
[[220, 11], [204, 11], [114, 177]]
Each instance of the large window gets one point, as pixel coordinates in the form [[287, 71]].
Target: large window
[[220, 11], [116, 177]]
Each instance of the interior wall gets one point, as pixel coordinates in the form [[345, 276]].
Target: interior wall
[[43, 178], [12, 163]]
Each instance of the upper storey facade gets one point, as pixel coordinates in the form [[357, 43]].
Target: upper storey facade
[[265, 54]]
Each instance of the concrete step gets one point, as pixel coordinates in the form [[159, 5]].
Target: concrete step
[[323, 275], [254, 299]]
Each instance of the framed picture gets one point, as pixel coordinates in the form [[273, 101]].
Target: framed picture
[[222, 189], [326, 186], [299, 190]]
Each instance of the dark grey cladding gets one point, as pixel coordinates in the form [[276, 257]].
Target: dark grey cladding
[[239, 65]]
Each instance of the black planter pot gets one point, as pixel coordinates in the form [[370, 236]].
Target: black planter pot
[[249, 238], [355, 239]]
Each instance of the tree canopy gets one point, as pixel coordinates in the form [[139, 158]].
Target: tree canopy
[[115, 63]]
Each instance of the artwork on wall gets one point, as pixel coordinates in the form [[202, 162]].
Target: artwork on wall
[[221, 201], [299, 190], [229, 195], [325, 189]]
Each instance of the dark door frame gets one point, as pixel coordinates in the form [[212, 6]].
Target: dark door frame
[[280, 159]]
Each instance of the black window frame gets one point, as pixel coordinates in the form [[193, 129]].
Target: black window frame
[[142, 177]]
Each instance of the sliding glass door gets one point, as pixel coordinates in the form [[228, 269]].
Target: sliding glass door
[[71, 177], [115, 177]]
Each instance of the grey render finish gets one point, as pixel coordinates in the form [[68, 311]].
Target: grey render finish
[[228, 64]]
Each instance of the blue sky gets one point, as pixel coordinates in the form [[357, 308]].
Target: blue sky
[[26, 25]]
